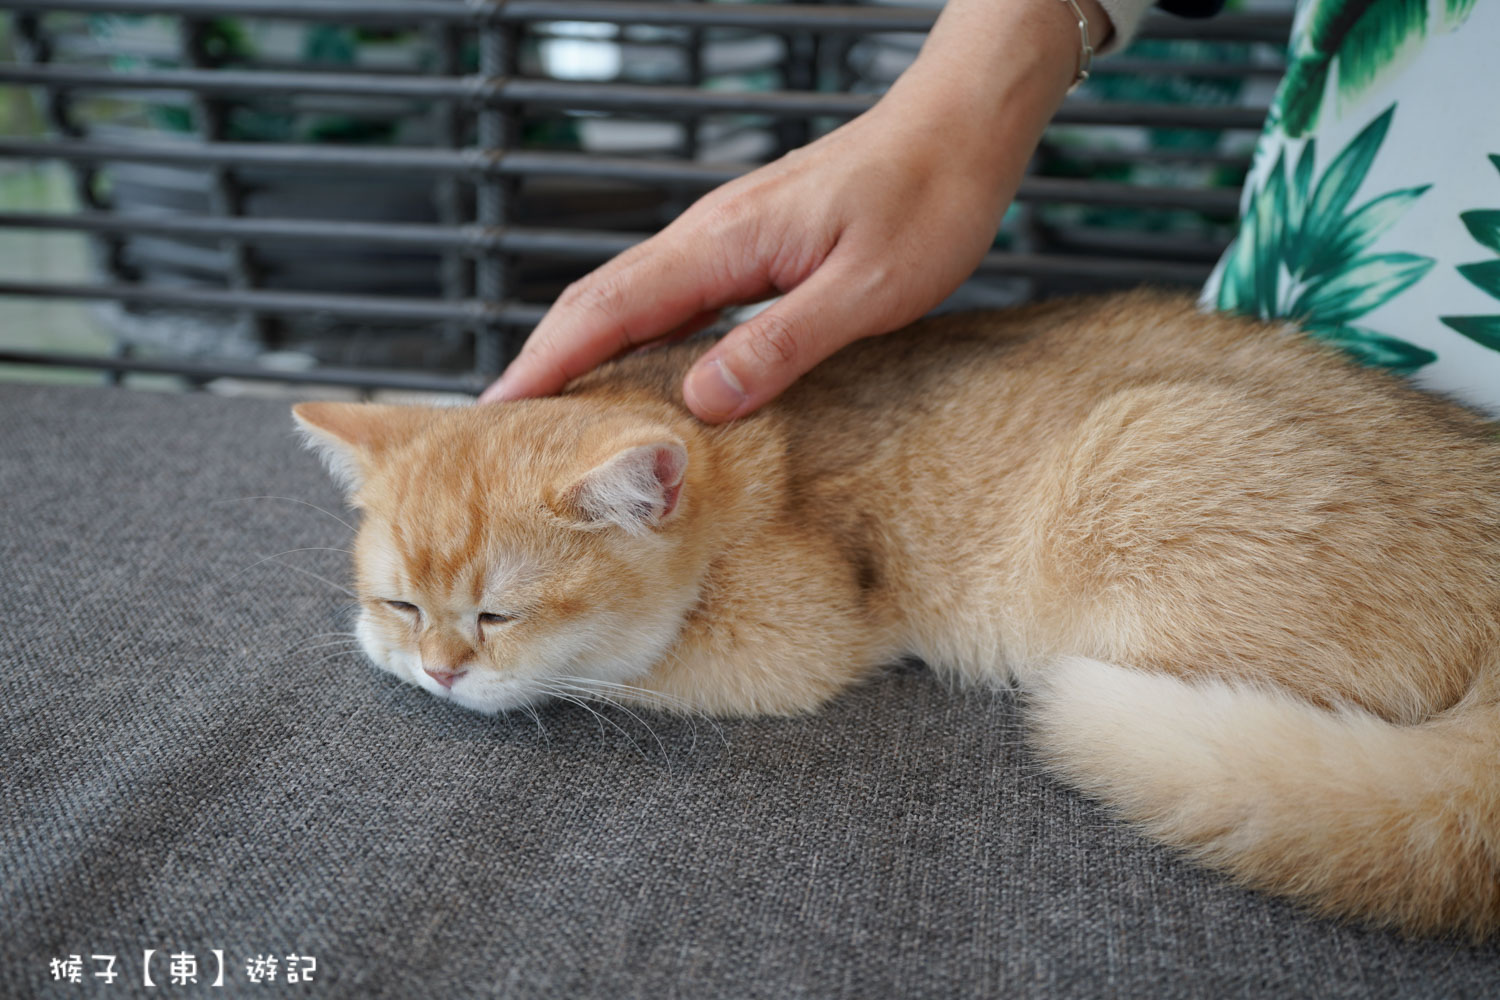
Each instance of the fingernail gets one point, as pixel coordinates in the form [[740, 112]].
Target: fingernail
[[713, 391], [499, 390]]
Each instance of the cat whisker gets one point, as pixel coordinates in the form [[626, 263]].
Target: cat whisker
[[548, 692], [688, 709], [608, 701], [344, 643], [305, 503], [328, 638], [644, 694], [655, 700], [306, 548], [278, 555], [582, 703], [537, 718], [307, 572]]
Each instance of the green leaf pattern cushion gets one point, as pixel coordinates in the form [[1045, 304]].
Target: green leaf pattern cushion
[[1372, 212]]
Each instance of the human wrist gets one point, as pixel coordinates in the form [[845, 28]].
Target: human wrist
[[1008, 59], [987, 82]]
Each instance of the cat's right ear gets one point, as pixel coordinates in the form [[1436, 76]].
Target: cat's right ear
[[349, 436]]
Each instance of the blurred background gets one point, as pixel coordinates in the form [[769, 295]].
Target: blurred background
[[362, 198]]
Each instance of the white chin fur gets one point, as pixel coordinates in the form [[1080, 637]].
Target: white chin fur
[[491, 695]]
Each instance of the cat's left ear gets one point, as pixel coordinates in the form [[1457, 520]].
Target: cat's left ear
[[636, 488], [349, 436]]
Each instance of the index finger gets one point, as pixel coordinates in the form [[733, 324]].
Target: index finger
[[644, 293]]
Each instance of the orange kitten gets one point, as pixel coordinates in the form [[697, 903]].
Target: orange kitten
[[1251, 591]]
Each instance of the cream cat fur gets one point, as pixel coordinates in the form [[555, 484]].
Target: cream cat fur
[[1251, 591]]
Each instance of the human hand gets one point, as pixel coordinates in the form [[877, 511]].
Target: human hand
[[861, 232]]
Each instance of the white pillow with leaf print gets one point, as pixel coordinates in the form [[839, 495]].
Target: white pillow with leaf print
[[1372, 213]]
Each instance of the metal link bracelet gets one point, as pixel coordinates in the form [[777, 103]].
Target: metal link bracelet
[[1085, 50]]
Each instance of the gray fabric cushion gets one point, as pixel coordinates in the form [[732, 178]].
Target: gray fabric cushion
[[182, 771]]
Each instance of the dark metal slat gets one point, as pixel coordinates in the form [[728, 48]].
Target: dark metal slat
[[1049, 151], [1135, 66], [471, 311], [1093, 269], [198, 370], [252, 154], [1212, 201], [580, 244], [497, 127], [1051, 189], [729, 15], [479, 312], [665, 100], [591, 244], [1272, 28]]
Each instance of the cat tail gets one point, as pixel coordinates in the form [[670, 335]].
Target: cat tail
[[1396, 825]]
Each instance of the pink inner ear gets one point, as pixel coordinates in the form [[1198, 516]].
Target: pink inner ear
[[669, 473]]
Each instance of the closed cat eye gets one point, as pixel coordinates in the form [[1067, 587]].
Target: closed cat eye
[[403, 606], [493, 618]]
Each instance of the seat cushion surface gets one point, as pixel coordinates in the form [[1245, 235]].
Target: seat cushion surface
[[189, 766]]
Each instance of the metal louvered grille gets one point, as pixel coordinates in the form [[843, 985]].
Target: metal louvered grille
[[393, 192]]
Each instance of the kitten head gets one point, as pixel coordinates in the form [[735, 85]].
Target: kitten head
[[512, 552]]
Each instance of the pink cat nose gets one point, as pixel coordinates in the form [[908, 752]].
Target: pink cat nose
[[444, 677]]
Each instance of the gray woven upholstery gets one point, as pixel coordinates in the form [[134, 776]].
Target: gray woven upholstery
[[180, 774]]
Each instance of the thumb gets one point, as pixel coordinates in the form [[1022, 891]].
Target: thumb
[[763, 356]]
